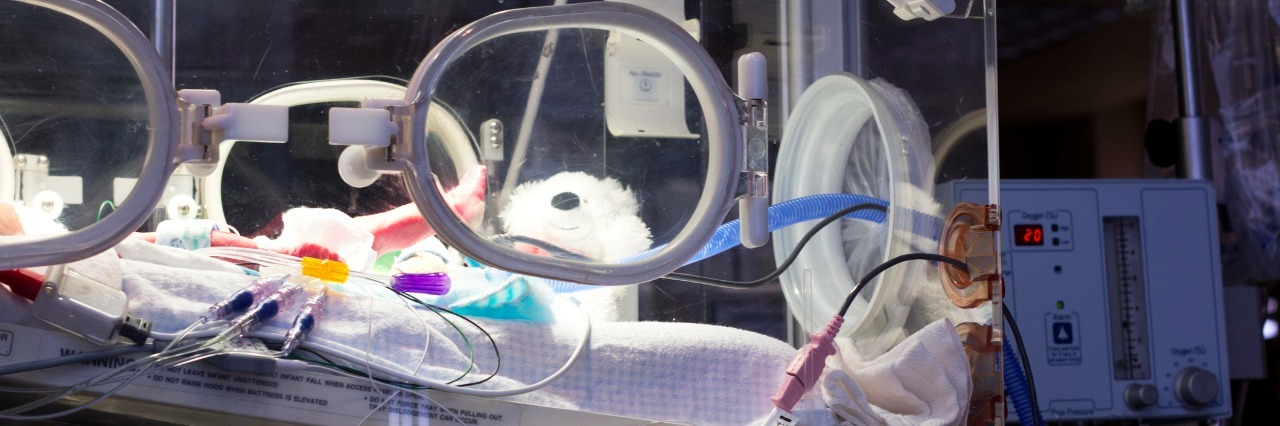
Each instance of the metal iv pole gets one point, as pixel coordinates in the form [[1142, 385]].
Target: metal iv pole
[[1195, 160]]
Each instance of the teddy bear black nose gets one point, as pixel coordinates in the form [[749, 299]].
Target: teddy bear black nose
[[565, 201]]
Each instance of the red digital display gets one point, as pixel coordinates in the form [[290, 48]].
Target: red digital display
[[1028, 235]]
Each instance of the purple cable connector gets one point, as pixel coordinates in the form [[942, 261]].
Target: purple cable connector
[[436, 283]]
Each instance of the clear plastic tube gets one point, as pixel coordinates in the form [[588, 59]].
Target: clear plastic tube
[[306, 320], [400, 373], [245, 298], [281, 300], [262, 257], [266, 257], [142, 365]]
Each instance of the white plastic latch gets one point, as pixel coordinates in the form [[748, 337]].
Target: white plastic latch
[[353, 167], [182, 207], [361, 126], [250, 122], [370, 134], [207, 123], [926, 9], [753, 208], [48, 203]]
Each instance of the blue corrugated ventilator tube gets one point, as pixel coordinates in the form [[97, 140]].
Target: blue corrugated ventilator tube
[[1015, 386], [781, 215]]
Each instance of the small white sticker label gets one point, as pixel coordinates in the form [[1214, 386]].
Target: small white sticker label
[[6, 342], [647, 85]]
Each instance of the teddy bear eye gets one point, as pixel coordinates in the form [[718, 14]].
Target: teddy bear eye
[[565, 201]]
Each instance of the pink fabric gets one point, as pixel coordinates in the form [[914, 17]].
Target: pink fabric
[[404, 226]]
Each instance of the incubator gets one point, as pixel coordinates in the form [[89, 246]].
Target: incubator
[[503, 212]]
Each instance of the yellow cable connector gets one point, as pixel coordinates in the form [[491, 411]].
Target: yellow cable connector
[[328, 270]]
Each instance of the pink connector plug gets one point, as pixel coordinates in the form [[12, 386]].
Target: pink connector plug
[[807, 366]]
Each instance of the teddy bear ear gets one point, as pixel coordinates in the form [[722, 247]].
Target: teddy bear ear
[[621, 200], [626, 236]]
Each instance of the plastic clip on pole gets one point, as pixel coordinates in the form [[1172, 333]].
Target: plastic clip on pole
[[754, 207]]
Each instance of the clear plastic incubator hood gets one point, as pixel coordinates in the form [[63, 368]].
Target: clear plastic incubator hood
[[644, 147]]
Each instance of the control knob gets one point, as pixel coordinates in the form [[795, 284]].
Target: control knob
[[1141, 395], [1195, 388]]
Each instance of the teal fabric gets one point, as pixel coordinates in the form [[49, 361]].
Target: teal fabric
[[482, 291], [504, 295]]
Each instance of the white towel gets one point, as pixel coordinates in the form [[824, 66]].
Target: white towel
[[922, 381], [35, 222], [704, 374], [327, 228]]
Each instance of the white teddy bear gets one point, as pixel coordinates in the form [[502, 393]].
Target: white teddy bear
[[592, 217]]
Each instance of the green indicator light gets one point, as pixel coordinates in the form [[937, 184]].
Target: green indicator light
[[1061, 305]]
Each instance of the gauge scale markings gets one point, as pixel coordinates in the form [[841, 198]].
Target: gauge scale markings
[[1126, 284]]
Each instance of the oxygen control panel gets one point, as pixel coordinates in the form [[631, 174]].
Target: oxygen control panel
[[1116, 286]]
